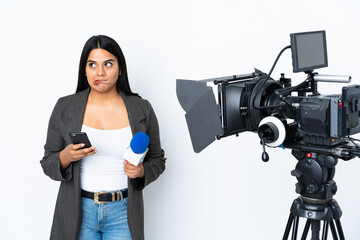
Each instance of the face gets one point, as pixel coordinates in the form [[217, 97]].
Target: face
[[102, 70]]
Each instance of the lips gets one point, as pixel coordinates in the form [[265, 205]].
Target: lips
[[98, 81]]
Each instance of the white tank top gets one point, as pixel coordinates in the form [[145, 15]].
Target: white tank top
[[104, 171]]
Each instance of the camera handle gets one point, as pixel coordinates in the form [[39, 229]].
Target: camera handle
[[332, 78], [268, 132], [284, 92], [264, 155], [310, 84]]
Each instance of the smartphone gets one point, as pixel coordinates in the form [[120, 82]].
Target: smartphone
[[80, 137]]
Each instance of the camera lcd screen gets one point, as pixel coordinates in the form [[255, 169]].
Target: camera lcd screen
[[308, 51]]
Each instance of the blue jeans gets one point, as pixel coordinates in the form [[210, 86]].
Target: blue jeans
[[107, 221]]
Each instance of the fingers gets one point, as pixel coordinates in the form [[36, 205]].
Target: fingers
[[131, 170], [129, 164], [80, 153], [77, 146], [76, 151]]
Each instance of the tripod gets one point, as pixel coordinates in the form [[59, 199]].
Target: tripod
[[316, 187], [315, 212]]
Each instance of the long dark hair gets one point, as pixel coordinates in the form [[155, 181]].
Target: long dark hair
[[110, 45]]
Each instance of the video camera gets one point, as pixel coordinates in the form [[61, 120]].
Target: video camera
[[316, 127], [256, 102]]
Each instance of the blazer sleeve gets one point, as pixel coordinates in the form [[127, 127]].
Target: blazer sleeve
[[154, 162], [55, 143]]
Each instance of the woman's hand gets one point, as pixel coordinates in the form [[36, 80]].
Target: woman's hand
[[73, 153], [134, 171]]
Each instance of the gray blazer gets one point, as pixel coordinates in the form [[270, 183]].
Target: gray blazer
[[66, 117]]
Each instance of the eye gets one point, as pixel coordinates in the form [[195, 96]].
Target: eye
[[92, 65], [108, 64]]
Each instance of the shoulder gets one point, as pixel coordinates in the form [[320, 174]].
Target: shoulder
[[74, 97], [137, 101], [139, 108], [144, 103], [64, 102]]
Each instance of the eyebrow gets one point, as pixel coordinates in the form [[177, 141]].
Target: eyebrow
[[109, 60]]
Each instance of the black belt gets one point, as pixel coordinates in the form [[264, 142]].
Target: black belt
[[104, 197]]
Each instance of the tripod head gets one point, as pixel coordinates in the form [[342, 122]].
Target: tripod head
[[315, 173]]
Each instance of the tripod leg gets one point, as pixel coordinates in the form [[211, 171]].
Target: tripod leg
[[315, 228], [295, 228], [288, 226], [325, 230], [306, 229], [340, 230], [333, 230]]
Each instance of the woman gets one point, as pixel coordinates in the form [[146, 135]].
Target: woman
[[111, 114]]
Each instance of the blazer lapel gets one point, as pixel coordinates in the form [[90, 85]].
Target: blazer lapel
[[77, 109], [135, 113]]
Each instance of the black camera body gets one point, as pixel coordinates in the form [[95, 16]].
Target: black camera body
[[324, 120], [319, 119]]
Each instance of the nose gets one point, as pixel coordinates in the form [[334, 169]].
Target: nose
[[101, 71]]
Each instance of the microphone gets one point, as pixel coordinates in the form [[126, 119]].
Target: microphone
[[138, 148]]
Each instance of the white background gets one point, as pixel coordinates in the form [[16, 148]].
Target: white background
[[226, 191]]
